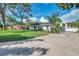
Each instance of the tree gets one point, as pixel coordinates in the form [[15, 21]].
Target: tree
[[77, 23], [74, 23], [55, 21], [2, 11], [3, 8], [67, 6], [22, 11], [11, 20]]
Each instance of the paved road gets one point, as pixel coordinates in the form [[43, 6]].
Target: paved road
[[64, 44]]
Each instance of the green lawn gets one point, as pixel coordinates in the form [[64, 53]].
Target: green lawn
[[15, 35], [78, 31]]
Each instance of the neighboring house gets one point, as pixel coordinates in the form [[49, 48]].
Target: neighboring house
[[41, 26], [46, 27], [70, 28]]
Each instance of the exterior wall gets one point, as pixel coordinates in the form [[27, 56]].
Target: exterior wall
[[47, 29], [31, 27], [71, 29], [44, 28], [16, 27]]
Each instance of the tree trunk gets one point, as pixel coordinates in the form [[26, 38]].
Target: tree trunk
[[3, 20], [21, 23]]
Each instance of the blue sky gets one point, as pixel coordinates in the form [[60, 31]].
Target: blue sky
[[41, 10], [45, 9]]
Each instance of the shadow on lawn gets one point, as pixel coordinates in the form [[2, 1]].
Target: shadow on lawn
[[23, 51], [4, 38]]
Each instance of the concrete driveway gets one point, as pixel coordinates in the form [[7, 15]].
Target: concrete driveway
[[63, 44]]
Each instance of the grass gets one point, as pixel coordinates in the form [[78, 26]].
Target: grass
[[78, 31], [15, 35]]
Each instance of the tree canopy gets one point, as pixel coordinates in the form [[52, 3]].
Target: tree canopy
[[67, 6], [74, 23], [55, 22], [54, 18], [3, 8], [20, 10]]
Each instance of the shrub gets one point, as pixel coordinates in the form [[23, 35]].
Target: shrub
[[55, 30]]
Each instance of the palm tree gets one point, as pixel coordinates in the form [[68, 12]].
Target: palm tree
[[54, 18], [55, 21]]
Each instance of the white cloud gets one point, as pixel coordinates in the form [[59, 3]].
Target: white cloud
[[33, 19], [73, 15], [42, 19]]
